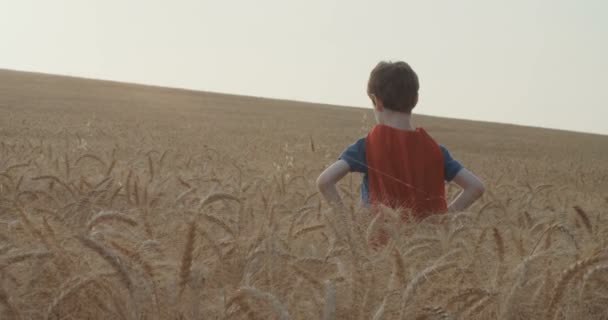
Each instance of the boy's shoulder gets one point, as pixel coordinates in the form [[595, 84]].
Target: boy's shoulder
[[354, 155], [359, 146]]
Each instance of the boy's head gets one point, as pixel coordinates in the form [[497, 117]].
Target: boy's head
[[394, 86]]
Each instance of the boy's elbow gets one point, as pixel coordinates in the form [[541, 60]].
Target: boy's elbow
[[478, 189], [475, 189], [324, 183]]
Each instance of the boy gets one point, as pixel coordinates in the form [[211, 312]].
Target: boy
[[403, 167]]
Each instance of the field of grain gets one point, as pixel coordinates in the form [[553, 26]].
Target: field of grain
[[121, 201]]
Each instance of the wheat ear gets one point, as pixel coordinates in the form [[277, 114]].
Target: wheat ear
[[217, 197], [567, 275], [585, 218], [500, 245], [308, 229], [110, 216], [219, 222], [114, 260], [421, 277], [92, 157]]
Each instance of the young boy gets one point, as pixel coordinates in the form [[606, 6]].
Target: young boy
[[403, 167]]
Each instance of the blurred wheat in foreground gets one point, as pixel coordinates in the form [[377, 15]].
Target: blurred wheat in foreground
[[92, 236], [141, 214]]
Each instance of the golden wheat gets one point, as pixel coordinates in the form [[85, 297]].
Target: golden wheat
[[181, 206]]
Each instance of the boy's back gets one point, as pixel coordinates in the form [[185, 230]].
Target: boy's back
[[408, 170]]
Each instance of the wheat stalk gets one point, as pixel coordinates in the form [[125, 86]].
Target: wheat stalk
[[478, 306], [56, 180], [128, 186], [329, 312], [71, 287], [437, 312], [417, 281], [307, 276], [373, 227], [17, 166], [110, 168], [522, 278], [277, 307], [398, 273], [22, 256], [136, 191], [30, 225], [380, 311], [66, 162], [183, 195], [12, 310], [115, 194], [186, 264], [590, 274], [103, 182], [151, 167], [469, 298]]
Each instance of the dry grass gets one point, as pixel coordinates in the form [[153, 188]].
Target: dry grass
[[128, 202]]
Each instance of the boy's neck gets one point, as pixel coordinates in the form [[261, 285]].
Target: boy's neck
[[397, 120]]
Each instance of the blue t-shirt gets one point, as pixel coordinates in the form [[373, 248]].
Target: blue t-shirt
[[354, 155]]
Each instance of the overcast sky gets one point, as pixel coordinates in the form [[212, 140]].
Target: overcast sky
[[533, 62]]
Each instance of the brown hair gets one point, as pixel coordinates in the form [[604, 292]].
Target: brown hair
[[396, 84]]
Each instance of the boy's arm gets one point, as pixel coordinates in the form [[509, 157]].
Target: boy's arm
[[328, 179], [472, 189]]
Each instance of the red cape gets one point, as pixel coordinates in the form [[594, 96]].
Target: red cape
[[405, 171]]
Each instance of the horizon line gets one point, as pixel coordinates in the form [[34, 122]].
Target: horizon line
[[325, 104]]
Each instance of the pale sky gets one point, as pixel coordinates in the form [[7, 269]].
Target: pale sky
[[533, 62]]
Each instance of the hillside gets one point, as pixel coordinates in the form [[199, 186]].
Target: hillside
[[39, 105], [123, 201]]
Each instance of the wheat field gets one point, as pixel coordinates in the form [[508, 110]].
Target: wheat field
[[121, 201]]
